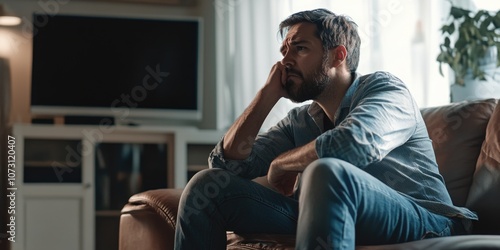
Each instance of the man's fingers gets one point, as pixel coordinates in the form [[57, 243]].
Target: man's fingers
[[283, 76]]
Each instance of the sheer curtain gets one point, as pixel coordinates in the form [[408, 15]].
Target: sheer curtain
[[396, 36]]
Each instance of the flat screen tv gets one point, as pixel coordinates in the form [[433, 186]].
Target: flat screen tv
[[122, 67]]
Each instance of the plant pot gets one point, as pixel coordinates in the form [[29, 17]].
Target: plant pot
[[475, 89]]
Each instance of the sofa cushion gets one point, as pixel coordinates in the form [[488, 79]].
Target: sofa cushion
[[484, 194], [457, 132], [462, 242]]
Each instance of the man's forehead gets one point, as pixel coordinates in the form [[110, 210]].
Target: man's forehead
[[300, 31]]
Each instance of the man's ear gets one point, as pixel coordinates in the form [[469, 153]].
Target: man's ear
[[338, 55]]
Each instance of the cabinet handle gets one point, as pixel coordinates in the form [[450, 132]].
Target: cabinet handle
[[87, 185]]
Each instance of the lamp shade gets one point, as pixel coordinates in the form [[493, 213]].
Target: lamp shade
[[7, 19]]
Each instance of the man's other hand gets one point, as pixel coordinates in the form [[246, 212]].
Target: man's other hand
[[281, 180]]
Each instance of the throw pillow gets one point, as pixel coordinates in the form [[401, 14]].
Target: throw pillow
[[484, 194]]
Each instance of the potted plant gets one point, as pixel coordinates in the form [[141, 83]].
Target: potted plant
[[474, 57]]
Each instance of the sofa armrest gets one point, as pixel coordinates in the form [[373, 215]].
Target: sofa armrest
[[148, 220]]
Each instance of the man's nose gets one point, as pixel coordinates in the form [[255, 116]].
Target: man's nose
[[287, 60]]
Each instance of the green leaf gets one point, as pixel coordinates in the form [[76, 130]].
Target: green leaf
[[479, 14], [458, 12], [441, 57], [448, 28], [496, 20], [451, 28], [447, 41], [483, 28]]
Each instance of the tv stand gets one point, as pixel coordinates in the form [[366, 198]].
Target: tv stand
[[60, 181]]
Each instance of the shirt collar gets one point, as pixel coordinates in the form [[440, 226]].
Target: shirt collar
[[317, 113]]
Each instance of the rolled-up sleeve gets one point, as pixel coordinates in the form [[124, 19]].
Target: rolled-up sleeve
[[383, 117], [266, 147]]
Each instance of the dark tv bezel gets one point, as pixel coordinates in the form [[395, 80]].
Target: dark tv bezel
[[125, 114]]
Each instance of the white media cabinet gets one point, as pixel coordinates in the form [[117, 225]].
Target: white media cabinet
[[56, 179]]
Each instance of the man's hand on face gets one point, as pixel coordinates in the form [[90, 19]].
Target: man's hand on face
[[277, 79], [283, 181]]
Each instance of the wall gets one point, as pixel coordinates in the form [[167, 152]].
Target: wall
[[15, 43]]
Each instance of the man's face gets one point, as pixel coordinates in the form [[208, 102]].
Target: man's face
[[305, 62]]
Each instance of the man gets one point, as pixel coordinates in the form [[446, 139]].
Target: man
[[367, 168]]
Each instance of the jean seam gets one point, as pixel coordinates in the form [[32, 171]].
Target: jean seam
[[437, 234]]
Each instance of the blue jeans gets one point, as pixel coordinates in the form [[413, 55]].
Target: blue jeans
[[340, 206]]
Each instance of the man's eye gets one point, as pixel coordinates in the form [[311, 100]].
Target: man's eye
[[300, 48]]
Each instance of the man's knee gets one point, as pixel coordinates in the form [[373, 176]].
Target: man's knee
[[326, 169], [202, 191], [326, 175], [213, 176], [208, 183]]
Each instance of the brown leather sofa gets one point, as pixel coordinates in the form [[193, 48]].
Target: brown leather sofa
[[466, 140]]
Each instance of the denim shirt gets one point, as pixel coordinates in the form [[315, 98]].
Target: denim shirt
[[378, 128]]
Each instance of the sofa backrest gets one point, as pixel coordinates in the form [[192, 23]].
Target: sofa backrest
[[457, 132]]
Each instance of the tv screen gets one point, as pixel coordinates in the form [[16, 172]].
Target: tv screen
[[115, 66]]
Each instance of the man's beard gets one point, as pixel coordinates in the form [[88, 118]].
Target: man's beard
[[312, 85]]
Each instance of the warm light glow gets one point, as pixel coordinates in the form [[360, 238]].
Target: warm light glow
[[9, 20], [5, 45]]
